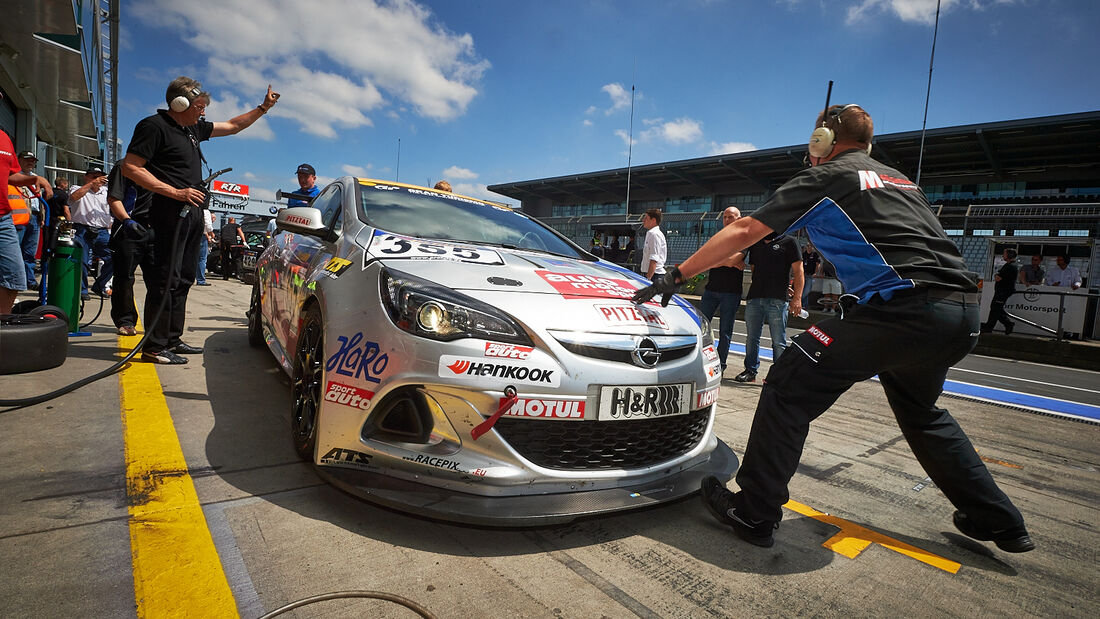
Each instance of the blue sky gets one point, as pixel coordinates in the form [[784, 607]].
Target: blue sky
[[505, 90]]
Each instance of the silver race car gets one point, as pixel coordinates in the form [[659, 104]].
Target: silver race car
[[457, 359]]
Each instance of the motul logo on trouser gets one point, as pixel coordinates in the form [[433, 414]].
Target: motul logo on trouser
[[546, 409]]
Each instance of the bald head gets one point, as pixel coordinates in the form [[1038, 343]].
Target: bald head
[[730, 215]]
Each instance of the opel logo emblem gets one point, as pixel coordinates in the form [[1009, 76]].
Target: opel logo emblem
[[645, 353]]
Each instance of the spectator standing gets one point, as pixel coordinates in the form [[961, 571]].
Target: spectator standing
[[59, 208], [230, 233], [13, 273], [92, 224], [1004, 286], [654, 250], [811, 262], [1033, 274], [164, 157], [131, 246], [1064, 274], [30, 231], [774, 260], [204, 247], [723, 292]]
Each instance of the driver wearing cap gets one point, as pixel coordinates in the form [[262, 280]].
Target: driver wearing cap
[[307, 183]]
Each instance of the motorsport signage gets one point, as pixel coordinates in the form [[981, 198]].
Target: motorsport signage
[[1039, 305]]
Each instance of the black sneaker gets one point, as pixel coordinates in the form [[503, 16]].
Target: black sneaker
[[1015, 539], [186, 349], [721, 504], [745, 377], [165, 356]]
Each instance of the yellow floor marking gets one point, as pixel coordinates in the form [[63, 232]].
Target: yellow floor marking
[[177, 571], [854, 539]]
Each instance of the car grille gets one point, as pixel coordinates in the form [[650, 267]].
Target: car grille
[[587, 445]]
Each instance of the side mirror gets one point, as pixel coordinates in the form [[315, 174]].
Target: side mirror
[[304, 220]]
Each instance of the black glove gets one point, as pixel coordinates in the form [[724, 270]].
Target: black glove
[[134, 228], [666, 285]]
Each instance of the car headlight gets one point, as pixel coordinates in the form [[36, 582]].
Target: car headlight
[[429, 310], [708, 335]]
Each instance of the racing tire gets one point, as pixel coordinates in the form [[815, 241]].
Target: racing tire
[[307, 383], [255, 323], [50, 311], [25, 307], [30, 343]]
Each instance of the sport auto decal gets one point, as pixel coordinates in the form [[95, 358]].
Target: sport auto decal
[[358, 359], [507, 351], [578, 286], [337, 455], [478, 369], [386, 245], [545, 409], [349, 395], [628, 315]]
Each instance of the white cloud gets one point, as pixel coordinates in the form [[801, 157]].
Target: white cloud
[[679, 131], [586, 122], [382, 55], [260, 193], [477, 190], [620, 97], [455, 172], [356, 170], [914, 11], [591, 110], [729, 147], [229, 107], [624, 136]]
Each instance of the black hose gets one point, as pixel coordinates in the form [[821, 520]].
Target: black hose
[[38, 399], [336, 595]]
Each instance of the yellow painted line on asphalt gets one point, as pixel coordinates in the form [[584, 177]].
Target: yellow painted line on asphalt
[[854, 539], [177, 571]]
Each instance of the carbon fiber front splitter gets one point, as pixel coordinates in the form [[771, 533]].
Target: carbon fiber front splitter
[[528, 510]]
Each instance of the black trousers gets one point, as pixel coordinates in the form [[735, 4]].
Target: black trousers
[[129, 250], [229, 261], [178, 256], [997, 314], [909, 343]]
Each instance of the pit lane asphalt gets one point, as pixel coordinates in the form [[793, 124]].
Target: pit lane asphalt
[[281, 534]]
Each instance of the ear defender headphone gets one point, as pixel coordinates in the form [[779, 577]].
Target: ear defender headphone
[[182, 102], [823, 139]]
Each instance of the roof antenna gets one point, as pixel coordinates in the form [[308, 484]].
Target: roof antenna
[[928, 94], [828, 95]]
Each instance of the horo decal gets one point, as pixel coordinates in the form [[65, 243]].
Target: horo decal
[[386, 245], [479, 370], [627, 315]]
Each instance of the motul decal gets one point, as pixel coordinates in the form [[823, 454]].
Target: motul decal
[[479, 369], [507, 351], [545, 409], [820, 335], [348, 395], [706, 397], [627, 315]]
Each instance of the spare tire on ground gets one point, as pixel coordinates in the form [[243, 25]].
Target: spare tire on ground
[[31, 343]]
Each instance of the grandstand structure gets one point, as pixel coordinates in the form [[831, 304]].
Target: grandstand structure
[[1032, 184]]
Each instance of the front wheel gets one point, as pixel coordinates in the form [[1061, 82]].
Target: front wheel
[[306, 385], [255, 324]]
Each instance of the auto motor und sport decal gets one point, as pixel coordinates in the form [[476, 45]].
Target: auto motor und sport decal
[[478, 369], [358, 359], [508, 351], [583, 286], [628, 314], [388, 245], [348, 395], [545, 409]]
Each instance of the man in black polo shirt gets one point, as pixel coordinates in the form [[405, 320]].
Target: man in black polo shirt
[[917, 314], [1004, 287], [774, 259], [164, 158]]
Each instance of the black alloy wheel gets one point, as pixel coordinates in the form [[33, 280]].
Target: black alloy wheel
[[255, 326], [309, 374]]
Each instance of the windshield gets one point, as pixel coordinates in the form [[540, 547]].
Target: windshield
[[434, 215]]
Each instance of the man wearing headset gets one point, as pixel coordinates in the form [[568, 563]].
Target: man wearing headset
[[916, 315], [164, 157]]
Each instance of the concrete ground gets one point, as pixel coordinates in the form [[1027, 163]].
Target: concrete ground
[[281, 534]]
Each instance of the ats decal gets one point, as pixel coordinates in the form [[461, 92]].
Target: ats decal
[[706, 397], [545, 409], [349, 395], [507, 351], [629, 315], [819, 335], [337, 455], [479, 369], [386, 245], [358, 359], [576, 286]]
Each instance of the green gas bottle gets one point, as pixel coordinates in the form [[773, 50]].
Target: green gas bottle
[[65, 274]]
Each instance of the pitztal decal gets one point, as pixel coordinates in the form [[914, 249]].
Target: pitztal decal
[[358, 359], [581, 286], [345, 457], [348, 395], [629, 315], [819, 335], [706, 397], [387, 245], [545, 409], [709, 353], [478, 369], [335, 266], [295, 219], [508, 351]]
